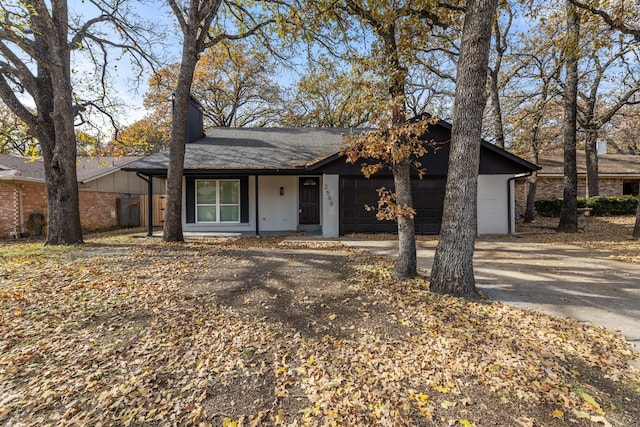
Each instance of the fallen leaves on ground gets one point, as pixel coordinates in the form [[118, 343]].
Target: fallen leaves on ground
[[612, 234], [257, 332]]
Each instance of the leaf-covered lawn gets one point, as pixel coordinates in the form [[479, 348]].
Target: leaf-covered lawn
[[134, 331], [611, 234]]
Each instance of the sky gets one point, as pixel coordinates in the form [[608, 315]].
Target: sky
[[125, 86]]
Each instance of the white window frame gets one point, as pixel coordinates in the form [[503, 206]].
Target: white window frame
[[217, 204]]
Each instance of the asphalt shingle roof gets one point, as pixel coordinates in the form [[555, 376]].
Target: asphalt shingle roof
[[21, 167], [254, 148], [608, 164], [89, 168]]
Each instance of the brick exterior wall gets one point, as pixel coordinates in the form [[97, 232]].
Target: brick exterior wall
[[33, 201], [552, 188], [97, 209], [8, 209]]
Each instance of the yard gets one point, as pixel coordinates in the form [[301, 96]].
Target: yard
[[127, 330]]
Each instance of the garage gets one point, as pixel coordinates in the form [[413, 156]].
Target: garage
[[357, 191]]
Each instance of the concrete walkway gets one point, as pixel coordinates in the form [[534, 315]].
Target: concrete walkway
[[559, 280]]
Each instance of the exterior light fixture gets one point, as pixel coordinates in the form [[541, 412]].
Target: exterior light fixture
[[282, 191]]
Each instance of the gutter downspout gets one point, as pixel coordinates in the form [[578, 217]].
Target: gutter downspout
[[149, 182], [509, 207]]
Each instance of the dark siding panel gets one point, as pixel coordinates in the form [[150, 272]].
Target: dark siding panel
[[436, 161], [355, 192], [194, 123], [244, 199], [190, 200], [492, 163]]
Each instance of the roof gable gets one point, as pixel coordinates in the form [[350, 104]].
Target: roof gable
[[253, 148], [95, 167], [308, 149], [20, 168]]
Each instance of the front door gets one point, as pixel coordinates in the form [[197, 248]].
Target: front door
[[309, 210]]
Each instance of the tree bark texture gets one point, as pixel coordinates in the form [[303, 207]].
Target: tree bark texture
[[636, 227], [497, 109], [569, 213], [172, 231], [406, 265], [591, 154], [530, 209], [452, 271], [195, 20], [52, 122], [407, 262], [532, 181], [62, 183]]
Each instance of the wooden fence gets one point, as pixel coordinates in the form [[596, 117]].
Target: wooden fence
[[159, 202]]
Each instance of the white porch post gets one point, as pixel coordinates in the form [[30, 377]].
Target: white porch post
[[330, 209]]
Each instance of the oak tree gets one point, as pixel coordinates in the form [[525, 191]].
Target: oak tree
[[14, 135], [202, 24], [328, 95], [452, 271], [36, 42], [142, 137], [391, 36], [568, 212], [624, 20]]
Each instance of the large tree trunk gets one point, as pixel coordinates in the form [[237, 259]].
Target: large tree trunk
[[406, 264], [530, 209], [452, 271], [591, 154], [569, 213], [532, 181], [60, 155], [497, 109], [173, 210], [636, 227]]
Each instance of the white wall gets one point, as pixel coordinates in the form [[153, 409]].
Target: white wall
[[493, 204], [330, 212], [276, 212]]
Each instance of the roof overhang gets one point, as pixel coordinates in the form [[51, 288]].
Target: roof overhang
[[13, 177], [600, 175]]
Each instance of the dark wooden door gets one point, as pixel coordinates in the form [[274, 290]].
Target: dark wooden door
[[309, 209]]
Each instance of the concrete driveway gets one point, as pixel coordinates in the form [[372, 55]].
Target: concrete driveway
[[555, 279]]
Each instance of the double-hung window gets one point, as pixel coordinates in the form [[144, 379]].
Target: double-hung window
[[217, 200]]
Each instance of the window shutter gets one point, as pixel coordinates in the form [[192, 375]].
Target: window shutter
[[244, 199], [191, 200]]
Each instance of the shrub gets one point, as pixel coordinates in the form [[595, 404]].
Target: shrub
[[551, 207], [614, 205], [602, 206]]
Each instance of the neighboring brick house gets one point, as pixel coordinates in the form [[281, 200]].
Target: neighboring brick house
[[100, 180], [618, 174]]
